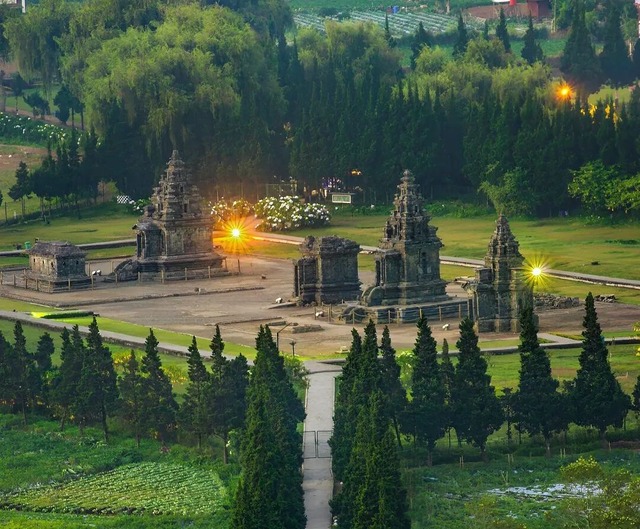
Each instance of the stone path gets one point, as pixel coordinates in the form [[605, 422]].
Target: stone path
[[318, 480]]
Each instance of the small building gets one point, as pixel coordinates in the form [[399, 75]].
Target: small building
[[56, 265], [327, 271], [501, 289], [408, 259], [174, 237]]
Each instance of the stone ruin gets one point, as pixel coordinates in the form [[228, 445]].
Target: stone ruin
[[56, 266], [327, 271], [501, 288], [174, 237], [408, 259]]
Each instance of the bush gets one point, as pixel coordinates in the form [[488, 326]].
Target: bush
[[287, 213], [27, 130], [223, 212]]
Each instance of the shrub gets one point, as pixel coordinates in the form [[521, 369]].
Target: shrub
[[287, 213]]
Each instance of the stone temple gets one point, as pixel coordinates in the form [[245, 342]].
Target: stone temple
[[174, 237], [408, 260], [55, 266], [327, 271], [501, 288]]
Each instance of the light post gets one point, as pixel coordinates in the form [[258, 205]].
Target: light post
[[278, 335], [293, 348]]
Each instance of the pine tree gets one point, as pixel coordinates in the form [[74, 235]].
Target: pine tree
[[578, 61], [537, 402], [391, 42], [462, 38], [97, 387], [635, 59], [22, 382], [159, 404], [44, 365], [427, 411], [597, 396], [476, 408], [531, 51], [194, 411], [269, 493], [636, 396], [131, 387], [392, 387], [218, 361], [22, 188], [614, 58], [65, 383], [502, 33]]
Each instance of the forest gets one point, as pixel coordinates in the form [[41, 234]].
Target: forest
[[250, 100]]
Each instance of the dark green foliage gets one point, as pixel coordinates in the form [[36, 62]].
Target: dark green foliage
[[64, 101], [373, 495], [502, 32], [614, 58], [636, 395], [635, 59], [44, 367], [97, 387], [360, 377], [420, 40], [426, 418], [537, 403], [270, 490], [159, 404], [18, 85], [65, 383], [579, 62], [396, 395], [131, 387], [194, 413], [462, 38], [22, 382], [597, 397], [5, 355], [531, 51], [22, 188], [476, 411]]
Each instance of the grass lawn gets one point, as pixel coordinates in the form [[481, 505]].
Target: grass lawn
[[561, 243]]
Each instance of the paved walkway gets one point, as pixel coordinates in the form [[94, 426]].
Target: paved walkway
[[318, 480]]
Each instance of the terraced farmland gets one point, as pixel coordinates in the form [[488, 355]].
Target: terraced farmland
[[400, 24]]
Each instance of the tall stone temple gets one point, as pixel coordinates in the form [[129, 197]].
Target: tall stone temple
[[408, 259], [174, 237], [501, 288]]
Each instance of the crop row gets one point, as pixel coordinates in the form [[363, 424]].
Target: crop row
[[153, 488], [400, 24]]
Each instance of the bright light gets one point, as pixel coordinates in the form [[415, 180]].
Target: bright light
[[536, 268], [564, 92], [536, 272], [235, 233]]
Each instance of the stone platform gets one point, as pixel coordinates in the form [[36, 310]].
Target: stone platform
[[434, 311]]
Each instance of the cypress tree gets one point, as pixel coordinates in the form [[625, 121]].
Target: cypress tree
[[578, 61], [597, 396], [537, 402], [44, 365], [614, 58], [22, 381], [131, 387], [531, 51], [194, 412], [392, 388], [502, 32], [636, 396], [159, 404], [462, 38], [5, 355], [373, 494], [476, 408], [218, 361], [448, 373], [427, 412], [420, 39], [65, 383], [97, 387], [270, 493]]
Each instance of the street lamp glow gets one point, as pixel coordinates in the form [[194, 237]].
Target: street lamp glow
[[235, 233]]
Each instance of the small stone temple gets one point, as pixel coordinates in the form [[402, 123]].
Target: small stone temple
[[500, 288], [408, 260], [327, 271], [174, 237], [56, 265]]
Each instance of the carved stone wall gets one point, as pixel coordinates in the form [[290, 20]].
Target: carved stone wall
[[58, 265], [327, 271]]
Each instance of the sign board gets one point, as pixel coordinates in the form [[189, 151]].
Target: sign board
[[341, 198]]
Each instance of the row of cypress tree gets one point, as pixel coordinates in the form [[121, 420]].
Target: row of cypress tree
[[85, 387]]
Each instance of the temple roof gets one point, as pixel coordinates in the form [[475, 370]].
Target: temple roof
[[56, 249]]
